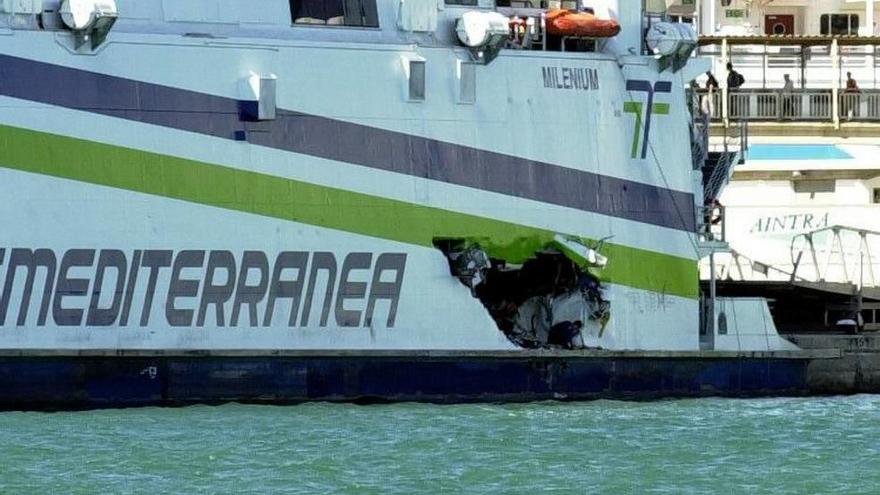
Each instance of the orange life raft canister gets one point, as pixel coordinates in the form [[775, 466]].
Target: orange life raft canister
[[564, 22]]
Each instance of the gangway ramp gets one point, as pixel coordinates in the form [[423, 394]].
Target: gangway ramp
[[834, 276]]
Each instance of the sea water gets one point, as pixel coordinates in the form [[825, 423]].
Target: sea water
[[778, 446]]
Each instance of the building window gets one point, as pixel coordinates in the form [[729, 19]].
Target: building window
[[461, 2], [357, 13], [813, 187], [837, 24], [877, 195], [681, 19]]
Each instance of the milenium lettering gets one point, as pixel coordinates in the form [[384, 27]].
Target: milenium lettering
[[572, 78], [111, 287]]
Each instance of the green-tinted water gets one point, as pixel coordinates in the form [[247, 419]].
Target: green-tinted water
[[828, 445]]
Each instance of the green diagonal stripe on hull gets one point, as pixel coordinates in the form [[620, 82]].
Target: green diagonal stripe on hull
[[278, 197]]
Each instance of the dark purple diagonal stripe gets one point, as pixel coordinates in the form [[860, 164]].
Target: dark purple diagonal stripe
[[346, 142]]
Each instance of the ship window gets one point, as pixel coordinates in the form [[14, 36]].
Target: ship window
[[461, 2], [834, 24], [417, 80], [359, 13], [533, 4], [467, 83]]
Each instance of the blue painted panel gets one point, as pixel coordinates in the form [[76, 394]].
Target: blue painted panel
[[131, 381], [34, 383], [797, 152], [25, 381], [228, 379]]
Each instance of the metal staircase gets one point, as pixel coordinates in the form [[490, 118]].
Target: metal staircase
[[716, 166], [716, 162], [720, 162]]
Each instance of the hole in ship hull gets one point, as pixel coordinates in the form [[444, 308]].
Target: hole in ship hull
[[548, 302]]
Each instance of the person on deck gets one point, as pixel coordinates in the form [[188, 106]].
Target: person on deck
[[707, 105], [850, 104], [787, 98], [735, 80], [711, 82], [851, 85], [713, 217]]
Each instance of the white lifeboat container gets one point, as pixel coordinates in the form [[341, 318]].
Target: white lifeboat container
[[672, 43], [484, 33], [89, 19]]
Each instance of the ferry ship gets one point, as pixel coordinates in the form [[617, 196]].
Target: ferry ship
[[363, 200]]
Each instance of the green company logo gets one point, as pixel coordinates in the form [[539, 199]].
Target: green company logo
[[645, 111]]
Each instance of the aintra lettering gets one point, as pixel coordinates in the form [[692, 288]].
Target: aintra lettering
[[790, 223], [102, 288]]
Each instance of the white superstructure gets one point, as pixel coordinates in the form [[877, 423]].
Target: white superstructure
[[788, 189]]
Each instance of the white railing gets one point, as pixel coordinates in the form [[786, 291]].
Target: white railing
[[860, 106], [735, 266], [812, 67], [799, 105], [837, 254]]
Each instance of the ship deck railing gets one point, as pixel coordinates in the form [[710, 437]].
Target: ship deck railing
[[805, 105], [818, 66], [814, 62]]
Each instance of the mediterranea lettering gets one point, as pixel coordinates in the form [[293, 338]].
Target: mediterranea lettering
[[199, 288]]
